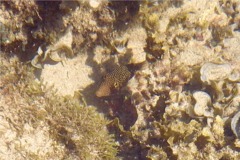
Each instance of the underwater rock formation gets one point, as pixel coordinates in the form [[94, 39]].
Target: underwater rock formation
[[182, 98]]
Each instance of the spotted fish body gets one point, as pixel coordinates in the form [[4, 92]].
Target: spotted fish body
[[113, 81]]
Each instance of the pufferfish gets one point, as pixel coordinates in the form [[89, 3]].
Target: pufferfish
[[113, 81]]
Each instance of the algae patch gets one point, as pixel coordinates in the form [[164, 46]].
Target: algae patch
[[34, 116]]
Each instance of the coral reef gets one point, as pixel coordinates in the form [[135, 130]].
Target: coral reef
[[176, 94], [183, 100]]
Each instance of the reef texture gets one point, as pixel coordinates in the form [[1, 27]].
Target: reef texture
[[173, 67]]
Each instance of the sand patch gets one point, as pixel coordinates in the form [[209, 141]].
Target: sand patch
[[69, 76]]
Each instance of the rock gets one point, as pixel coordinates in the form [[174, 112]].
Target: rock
[[215, 72]]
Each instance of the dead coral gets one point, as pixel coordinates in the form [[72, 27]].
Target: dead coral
[[179, 106], [195, 105], [203, 100], [87, 21], [128, 46], [56, 52], [17, 17]]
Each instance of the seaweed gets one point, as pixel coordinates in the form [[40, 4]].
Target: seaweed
[[70, 123]]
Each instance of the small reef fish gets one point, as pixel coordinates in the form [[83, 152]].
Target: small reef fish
[[113, 81]]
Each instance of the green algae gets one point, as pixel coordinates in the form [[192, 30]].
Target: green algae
[[79, 128]]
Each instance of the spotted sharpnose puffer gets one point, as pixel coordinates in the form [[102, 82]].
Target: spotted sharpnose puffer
[[113, 81]]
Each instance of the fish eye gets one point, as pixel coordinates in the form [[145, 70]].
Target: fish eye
[[104, 77], [116, 84]]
